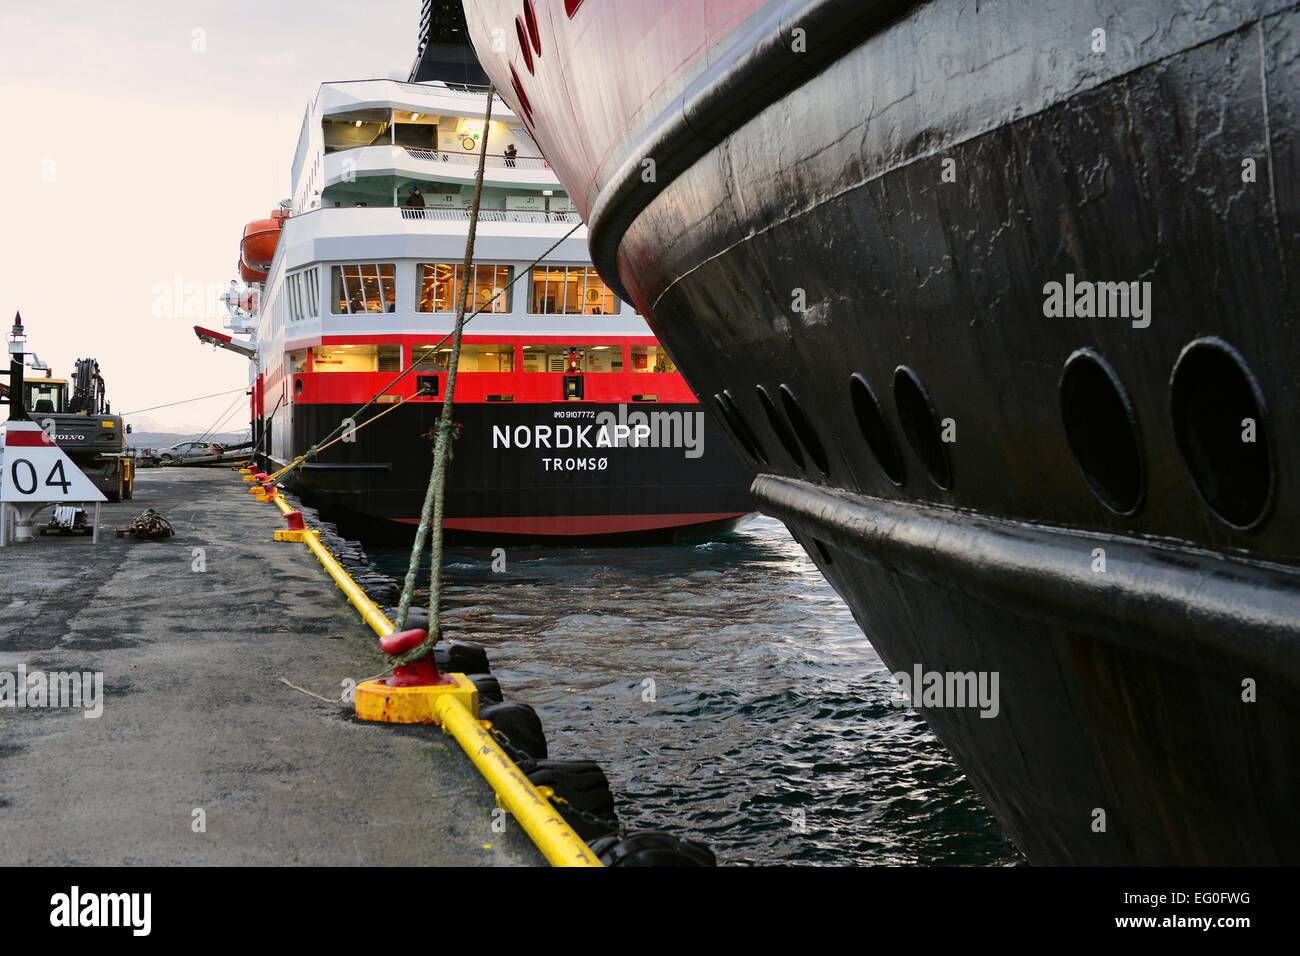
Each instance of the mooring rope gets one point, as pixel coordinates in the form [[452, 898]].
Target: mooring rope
[[257, 449], [435, 494], [297, 462]]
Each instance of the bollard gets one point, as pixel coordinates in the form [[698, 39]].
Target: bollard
[[411, 694], [297, 529]]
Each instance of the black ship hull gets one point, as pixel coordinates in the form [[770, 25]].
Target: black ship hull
[[1102, 509], [536, 472]]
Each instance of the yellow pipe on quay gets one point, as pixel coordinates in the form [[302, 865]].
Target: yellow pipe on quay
[[549, 831], [368, 609]]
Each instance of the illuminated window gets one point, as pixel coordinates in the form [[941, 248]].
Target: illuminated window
[[560, 358], [473, 358], [440, 284], [571, 290], [356, 358], [651, 358], [364, 287]]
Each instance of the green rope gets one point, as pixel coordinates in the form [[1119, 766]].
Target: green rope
[[435, 495]]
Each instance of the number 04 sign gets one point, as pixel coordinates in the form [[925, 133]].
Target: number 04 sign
[[37, 470]]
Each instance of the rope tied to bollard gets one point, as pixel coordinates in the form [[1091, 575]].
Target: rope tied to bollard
[[433, 509]]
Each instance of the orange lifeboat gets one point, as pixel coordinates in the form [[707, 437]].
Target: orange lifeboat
[[257, 248]]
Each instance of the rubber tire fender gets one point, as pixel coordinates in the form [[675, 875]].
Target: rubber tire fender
[[584, 786], [461, 657], [520, 723], [489, 689], [651, 848]]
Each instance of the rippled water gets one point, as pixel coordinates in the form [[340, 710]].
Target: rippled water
[[727, 692]]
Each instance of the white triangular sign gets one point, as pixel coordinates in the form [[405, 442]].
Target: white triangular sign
[[36, 469]]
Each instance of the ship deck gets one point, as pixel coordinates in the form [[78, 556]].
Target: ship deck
[[195, 715]]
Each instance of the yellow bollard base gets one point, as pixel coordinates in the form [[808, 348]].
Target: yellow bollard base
[[264, 498], [249, 479], [411, 705], [285, 535], [245, 471]]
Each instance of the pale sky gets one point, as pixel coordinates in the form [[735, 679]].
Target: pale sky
[[138, 138]]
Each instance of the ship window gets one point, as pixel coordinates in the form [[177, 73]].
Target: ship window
[[559, 359], [363, 287], [651, 358], [301, 291], [571, 290], [473, 358], [356, 358], [440, 284], [312, 279], [293, 293], [298, 361], [355, 129]]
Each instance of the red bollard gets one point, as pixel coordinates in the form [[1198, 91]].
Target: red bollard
[[420, 673], [294, 518]]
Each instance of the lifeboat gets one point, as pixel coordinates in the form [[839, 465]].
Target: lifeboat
[[257, 247]]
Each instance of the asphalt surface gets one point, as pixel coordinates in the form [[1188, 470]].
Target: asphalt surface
[[195, 717]]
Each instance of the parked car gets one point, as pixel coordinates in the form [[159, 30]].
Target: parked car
[[188, 449]]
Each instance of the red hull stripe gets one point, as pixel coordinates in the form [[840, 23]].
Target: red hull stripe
[[26, 439], [579, 525]]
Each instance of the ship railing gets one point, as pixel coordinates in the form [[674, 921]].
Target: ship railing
[[471, 159], [434, 214]]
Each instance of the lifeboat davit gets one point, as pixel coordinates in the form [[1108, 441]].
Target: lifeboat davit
[[257, 248]]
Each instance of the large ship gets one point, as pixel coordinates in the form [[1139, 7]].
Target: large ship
[[999, 299], [572, 420]]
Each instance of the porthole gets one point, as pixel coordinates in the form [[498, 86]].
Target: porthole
[[779, 427], [1102, 430], [875, 431], [530, 21], [525, 47], [804, 430], [524, 104], [739, 427], [921, 425], [1219, 419]]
